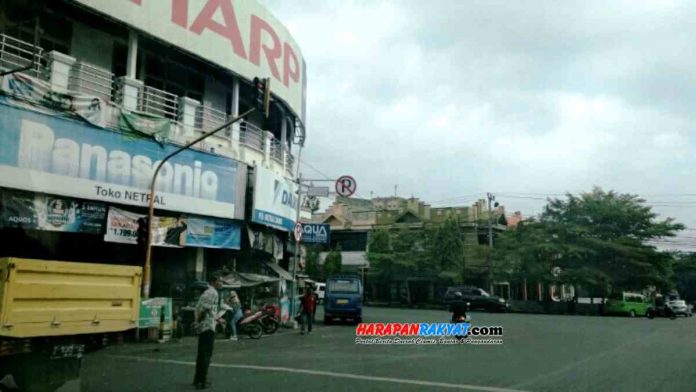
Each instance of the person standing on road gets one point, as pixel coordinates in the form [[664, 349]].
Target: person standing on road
[[233, 315], [309, 303], [206, 319]]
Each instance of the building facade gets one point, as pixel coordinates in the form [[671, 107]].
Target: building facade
[[95, 93]]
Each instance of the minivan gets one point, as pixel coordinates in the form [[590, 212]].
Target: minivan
[[343, 298], [631, 304]]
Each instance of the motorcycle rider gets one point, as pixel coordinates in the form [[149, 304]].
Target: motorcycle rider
[[458, 308]]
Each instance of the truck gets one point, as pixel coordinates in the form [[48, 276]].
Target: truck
[[53, 312], [343, 298]]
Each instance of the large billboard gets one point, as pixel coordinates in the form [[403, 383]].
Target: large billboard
[[51, 154], [275, 200], [239, 35]]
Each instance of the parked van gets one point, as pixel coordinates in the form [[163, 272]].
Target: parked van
[[631, 304], [343, 298], [320, 290]]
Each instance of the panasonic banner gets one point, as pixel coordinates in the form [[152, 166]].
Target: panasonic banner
[[51, 154], [275, 200]]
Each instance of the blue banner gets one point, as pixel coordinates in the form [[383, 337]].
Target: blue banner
[[315, 233], [213, 233], [44, 153], [275, 200]]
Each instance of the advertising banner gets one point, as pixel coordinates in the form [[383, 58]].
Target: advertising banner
[[51, 213], [51, 154], [151, 311], [314, 233], [275, 200], [122, 227], [90, 108], [213, 233], [241, 36], [194, 231], [147, 125]]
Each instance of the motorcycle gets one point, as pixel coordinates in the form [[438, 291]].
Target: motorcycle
[[270, 320], [249, 324], [463, 319]]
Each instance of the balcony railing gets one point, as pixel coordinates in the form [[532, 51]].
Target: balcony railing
[[251, 135], [91, 80], [159, 102], [15, 53], [208, 118]]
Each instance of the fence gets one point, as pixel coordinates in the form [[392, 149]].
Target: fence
[[159, 102], [15, 53], [91, 80], [251, 135]]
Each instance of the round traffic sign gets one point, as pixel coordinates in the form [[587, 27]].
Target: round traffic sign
[[298, 232], [346, 186]]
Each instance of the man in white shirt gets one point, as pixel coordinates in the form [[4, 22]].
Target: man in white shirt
[[206, 318]]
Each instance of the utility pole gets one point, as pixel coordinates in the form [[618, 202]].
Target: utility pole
[[491, 199]]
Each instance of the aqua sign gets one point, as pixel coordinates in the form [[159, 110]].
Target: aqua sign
[[314, 233]]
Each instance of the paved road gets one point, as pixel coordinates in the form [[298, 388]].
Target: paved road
[[540, 353]]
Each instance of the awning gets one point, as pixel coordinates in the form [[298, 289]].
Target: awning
[[249, 279], [282, 273]]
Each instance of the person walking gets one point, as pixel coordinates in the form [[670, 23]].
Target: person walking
[[233, 315], [309, 302], [206, 319]]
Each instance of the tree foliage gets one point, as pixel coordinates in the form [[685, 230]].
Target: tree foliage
[[312, 262], [333, 262], [597, 239]]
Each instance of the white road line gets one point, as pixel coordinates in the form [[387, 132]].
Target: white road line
[[326, 374]]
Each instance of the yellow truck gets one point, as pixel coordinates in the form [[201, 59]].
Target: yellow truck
[[52, 312]]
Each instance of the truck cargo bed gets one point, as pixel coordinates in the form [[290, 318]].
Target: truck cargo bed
[[54, 298]]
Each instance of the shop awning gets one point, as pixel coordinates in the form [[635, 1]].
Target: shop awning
[[249, 279], [282, 273]]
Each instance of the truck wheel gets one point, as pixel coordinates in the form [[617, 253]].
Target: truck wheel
[[632, 313], [327, 320]]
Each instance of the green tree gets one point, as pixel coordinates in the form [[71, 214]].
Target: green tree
[[684, 277], [312, 262], [446, 252], [597, 239], [333, 262]]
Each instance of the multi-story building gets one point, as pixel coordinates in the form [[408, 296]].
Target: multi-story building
[[352, 220], [96, 92]]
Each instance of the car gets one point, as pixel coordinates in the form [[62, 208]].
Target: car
[[320, 290], [478, 298], [680, 307], [661, 308], [627, 303]]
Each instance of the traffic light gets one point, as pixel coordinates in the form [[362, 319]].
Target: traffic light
[[262, 95], [142, 231]]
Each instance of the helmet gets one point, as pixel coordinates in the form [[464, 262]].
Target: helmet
[[457, 295]]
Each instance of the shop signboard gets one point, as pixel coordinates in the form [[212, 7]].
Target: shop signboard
[[56, 155], [275, 200]]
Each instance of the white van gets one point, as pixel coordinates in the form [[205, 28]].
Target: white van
[[320, 289]]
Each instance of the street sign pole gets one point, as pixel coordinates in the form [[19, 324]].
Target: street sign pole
[[295, 260]]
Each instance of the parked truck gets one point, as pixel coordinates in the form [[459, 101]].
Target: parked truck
[[53, 312]]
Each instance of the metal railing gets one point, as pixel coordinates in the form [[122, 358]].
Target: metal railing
[[251, 135], [91, 80], [15, 53], [291, 161], [159, 102], [277, 151], [208, 118]]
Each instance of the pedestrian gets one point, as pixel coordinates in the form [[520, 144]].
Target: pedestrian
[[206, 319], [309, 302], [233, 315]]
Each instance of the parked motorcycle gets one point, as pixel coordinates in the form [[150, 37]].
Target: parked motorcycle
[[270, 319], [249, 324]]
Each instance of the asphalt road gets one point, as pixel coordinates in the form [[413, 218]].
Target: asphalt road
[[539, 353]]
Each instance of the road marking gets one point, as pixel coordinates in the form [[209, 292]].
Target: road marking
[[326, 374]]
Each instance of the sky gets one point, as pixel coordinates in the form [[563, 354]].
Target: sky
[[451, 99]]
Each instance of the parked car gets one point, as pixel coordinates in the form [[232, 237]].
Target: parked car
[[626, 303], [320, 290], [680, 307], [478, 298], [661, 308]]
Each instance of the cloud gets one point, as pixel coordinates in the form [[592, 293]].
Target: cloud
[[450, 98]]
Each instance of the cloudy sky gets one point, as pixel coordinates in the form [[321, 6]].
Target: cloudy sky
[[453, 99]]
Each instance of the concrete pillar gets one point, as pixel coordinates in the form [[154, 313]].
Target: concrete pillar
[[283, 140], [234, 137], [132, 61], [130, 92], [267, 145], [187, 114], [200, 264], [60, 65]]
